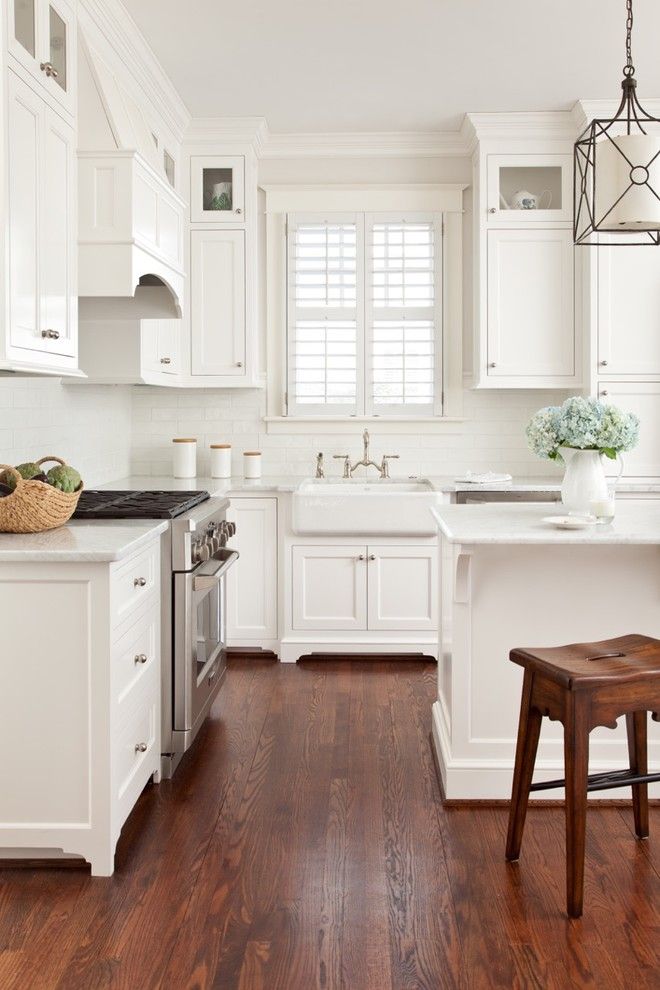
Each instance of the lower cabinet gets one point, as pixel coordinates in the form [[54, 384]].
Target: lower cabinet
[[365, 587], [643, 399], [81, 710], [252, 581]]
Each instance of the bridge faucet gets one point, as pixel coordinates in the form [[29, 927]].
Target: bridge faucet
[[383, 468]]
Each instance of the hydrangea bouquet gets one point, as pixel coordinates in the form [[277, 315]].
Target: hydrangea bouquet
[[584, 424]]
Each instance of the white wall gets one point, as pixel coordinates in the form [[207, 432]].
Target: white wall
[[491, 437], [88, 426]]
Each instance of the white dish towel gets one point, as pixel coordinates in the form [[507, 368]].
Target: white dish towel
[[487, 478]]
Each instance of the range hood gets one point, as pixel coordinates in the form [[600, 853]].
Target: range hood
[[130, 220]]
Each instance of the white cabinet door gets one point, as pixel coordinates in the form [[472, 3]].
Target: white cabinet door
[[59, 306], [217, 259], [531, 325], [329, 587], [628, 311], [252, 581], [217, 189], [643, 399], [24, 160], [403, 588], [58, 62]]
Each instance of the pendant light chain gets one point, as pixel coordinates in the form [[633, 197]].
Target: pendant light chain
[[629, 69]]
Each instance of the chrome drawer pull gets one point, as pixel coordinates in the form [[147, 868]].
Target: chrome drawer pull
[[141, 658], [141, 747], [139, 582]]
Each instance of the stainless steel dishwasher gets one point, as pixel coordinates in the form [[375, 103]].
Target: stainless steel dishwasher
[[479, 497]]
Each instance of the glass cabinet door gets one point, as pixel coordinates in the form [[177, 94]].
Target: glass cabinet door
[[57, 42], [217, 186], [25, 25], [529, 188]]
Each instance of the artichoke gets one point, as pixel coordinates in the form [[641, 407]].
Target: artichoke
[[28, 471], [65, 478]]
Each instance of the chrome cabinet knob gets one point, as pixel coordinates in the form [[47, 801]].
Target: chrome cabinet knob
[[492, 365], [50, 334], [361, 557], [604, 364], [141, 658], [239, 364], [238, 210], [493, 209], [139, 582], [604, 392], [166, 360], [49, 69], [141, 747], [372, 556]]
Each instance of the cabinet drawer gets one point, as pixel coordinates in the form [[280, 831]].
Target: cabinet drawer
[[133, 582], [132, 765], [129, 667]]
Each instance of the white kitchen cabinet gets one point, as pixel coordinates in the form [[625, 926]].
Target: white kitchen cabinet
[[402, 587], [161, 341], [84, 723], [41, 329], [252, 583], [42, 39], [530, 309], [628, 314], [365, 588], [130, 352], [329, 587], [217, 317], [643, 399], [547, 178]]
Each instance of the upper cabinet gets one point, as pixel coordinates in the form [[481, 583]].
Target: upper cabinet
[[217, 294], [42, 39], [217, 189], [527, 275], [627, 312]]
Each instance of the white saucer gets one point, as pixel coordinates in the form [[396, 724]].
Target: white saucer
[[570, 522]]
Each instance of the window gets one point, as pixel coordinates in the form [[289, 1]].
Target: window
[[169, 166], [364, 315]]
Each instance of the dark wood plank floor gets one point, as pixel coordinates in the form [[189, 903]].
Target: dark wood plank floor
[[303, 844]]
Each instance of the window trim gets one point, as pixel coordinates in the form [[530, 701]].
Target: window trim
[[281, 199]]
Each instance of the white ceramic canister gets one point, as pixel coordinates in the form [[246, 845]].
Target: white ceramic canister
[[184, 459], [221, 460], [252, 463]]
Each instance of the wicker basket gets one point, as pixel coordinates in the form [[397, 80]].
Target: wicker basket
[[34, 506]]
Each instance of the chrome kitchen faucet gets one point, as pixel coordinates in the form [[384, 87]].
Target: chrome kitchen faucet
[[383, 468]]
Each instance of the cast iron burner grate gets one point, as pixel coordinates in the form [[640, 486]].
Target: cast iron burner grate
[[136, 505]]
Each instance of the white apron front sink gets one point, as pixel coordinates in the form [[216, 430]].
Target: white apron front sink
[[358, 507]]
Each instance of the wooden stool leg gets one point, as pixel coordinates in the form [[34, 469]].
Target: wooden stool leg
[[576, 760], [636, 724], [529, 728]]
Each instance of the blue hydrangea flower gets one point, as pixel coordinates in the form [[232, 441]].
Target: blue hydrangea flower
[[583, 423]]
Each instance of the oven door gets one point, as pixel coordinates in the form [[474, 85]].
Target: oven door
[[199, 640]]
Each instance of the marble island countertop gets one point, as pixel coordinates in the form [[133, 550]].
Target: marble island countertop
[[81, 542], [637, 522]]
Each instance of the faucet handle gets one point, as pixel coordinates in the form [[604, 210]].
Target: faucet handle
[[346, 458], [385, 467]]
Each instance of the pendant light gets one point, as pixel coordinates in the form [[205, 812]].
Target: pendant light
[[616, 179]]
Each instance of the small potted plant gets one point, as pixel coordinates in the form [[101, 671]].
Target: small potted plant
[[580, 433]]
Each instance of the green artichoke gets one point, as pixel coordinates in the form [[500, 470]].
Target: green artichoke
[[27, 471], [65, 478]]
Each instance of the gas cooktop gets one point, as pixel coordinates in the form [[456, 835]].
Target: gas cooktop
[[136, 505]]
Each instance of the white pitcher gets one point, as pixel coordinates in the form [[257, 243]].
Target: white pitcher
[[584, 479]]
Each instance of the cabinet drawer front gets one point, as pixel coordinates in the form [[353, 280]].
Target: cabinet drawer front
[[134, 655], [329, 587], [132, 583], [136, 751]]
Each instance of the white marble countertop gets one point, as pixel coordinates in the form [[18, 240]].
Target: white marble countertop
[[289, 483], [637, 522], [81, 542]]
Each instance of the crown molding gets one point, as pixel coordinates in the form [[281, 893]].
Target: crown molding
[[111, 20], [229, 130], [365, 144], [532, 125], [585, 111]]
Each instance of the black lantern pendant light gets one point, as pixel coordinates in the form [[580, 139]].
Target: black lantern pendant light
[[616, 180]]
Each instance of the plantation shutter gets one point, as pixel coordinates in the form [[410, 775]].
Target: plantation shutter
[[325, 315], [403, 299]]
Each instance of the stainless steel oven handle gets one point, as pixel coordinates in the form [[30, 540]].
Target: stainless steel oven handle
[[205, 580]]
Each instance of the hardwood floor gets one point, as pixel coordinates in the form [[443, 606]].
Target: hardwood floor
[[303, 845]]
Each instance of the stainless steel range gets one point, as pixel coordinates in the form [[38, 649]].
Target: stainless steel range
[[194, 562]]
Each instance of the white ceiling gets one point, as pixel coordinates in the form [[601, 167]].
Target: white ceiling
[[394, 65]]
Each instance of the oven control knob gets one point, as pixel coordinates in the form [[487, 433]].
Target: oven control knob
[[231, 529], [200, 552]]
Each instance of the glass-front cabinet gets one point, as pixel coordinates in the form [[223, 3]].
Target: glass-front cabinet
[[529, 189], [41, 38], [217, 193]]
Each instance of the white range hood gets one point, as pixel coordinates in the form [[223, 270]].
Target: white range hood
[[130, 221]]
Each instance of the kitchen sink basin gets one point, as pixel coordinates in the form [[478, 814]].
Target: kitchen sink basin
[[361, 507]]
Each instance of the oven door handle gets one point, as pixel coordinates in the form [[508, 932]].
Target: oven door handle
[[206, 582]]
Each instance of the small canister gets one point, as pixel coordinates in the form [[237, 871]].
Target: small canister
[[184, 460], [252, 463], [221, 460]]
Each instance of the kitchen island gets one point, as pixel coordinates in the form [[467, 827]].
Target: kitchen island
[[511, 580]]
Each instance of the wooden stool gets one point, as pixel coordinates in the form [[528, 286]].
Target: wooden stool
[[582, 686]]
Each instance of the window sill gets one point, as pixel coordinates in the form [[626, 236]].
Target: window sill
[[350, 424]]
